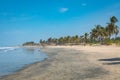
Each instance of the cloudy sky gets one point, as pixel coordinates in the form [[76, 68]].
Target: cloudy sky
[[32, 20]]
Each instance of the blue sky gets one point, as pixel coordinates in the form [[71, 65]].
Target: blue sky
[[32, 20]]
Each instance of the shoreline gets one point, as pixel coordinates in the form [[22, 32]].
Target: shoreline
[[29, 65], [65, 61], [26, 65]]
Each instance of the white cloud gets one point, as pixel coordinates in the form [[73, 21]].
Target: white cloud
[[63, 10], [84, 4]]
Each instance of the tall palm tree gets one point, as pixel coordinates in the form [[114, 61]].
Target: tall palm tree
[[111, 27], [113, 19]]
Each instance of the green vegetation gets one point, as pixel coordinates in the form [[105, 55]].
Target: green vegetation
[[98, 35], [30, 44]]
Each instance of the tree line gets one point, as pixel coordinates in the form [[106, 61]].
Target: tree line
[[98, 35]]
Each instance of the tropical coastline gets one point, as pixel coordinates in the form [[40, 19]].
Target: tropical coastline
[[75, 63], [59, 40]]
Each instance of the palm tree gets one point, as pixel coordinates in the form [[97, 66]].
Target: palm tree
[[77, 40], [113, 19], [61, 40], [93, 35], [81, 39], [111, 27], [86, 37], [116, 31], [68, 39], [98, 33]]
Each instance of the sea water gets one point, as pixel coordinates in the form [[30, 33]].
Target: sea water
[[13, 59]]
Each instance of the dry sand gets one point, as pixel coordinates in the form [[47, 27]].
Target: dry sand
[[74, 63]]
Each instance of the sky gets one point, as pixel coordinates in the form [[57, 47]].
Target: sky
[[32, 20]]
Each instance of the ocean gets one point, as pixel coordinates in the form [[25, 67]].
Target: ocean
[[13, 59]]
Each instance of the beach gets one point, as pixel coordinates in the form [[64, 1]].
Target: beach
[[73, 63]]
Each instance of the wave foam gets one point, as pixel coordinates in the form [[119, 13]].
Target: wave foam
[[5, 49]]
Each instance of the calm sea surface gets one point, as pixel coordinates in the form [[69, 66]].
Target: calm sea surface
[[15, 58]]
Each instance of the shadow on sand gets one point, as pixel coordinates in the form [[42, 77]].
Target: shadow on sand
[[111, 61]]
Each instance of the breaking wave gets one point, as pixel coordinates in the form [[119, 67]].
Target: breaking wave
[[5, 49]]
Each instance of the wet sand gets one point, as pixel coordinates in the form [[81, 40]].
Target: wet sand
[[73, 63]]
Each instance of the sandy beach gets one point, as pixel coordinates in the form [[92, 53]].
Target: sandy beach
[[73, 63]]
